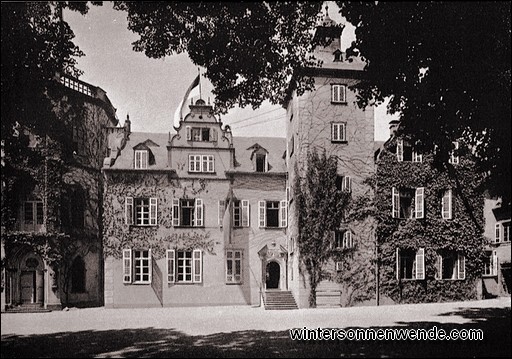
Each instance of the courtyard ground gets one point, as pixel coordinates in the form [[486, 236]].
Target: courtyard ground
[[252, 332]]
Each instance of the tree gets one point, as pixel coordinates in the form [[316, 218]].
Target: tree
[[446, 69], [445, 66], [319, 205], [250, 50]]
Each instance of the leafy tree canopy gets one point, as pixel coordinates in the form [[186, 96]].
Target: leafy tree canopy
[[445, 66]]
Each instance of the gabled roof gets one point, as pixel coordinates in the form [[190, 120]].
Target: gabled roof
[[157, 143], [245, 147]]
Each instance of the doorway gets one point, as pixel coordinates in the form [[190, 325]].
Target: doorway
[[273, 275]]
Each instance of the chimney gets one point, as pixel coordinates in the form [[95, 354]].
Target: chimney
[[393, 126], [127, 125]]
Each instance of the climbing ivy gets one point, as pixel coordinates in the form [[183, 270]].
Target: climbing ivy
[[463, 233]]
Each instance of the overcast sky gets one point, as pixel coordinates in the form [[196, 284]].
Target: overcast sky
[[150, 90]]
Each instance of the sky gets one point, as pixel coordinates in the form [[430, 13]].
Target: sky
[[150, 90]]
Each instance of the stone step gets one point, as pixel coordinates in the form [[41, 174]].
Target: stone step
[[279, 300]]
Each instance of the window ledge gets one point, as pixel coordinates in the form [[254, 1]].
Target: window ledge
[[142, 225], [233, 283], [489, 275], [184, 283], [273, 228], [339, 102], [189, 227], [201, 173], [340, 141]]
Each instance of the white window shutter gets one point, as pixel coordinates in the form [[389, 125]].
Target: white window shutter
[[171, 258], [420, 264], [419, 202], [199, 213], [175, 212], [400, 150], [189, 133], [191, 163], [398, 263], [439, 267], [395, 202], [222, 209], [494, 263], [127, 265], [150, 265], [461, 263], [450, 204], [497, 232], [245, 213], [283, 214], [153, 210], [213, 135], [128, 210], [262, 220], [211, 163], [197, 266]]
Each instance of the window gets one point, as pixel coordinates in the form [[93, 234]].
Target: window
[[201, 134], [446, 205], [233, 266], [454, 158], [137, 266], [78, 139], [201, 163], [141, 211], [75, 85], [343, 239], [338, 132], [502, 232], [184, 266], [272, 214], [141, 159], [451, 265], [187, 212], [405, 152], [32, 215], [338, 93], [344, 183], [241, 213], [338, 266], [410, 264], [78, 275], [261, 162], [408, 203], [491, 263], [337, 55]]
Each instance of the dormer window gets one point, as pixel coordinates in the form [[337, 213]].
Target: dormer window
[[141, 159], [337, 56], [261, 163], [406, 152]]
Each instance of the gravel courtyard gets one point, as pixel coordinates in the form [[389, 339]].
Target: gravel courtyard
[[246, 331]]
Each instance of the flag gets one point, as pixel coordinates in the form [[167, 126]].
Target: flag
[[193, 90], [227, 220]]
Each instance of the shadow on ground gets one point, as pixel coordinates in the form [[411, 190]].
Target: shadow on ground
[[150, 342]]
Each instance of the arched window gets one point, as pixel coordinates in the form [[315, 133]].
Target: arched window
[[78, 275]]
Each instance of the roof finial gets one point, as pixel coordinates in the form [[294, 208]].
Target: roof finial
[[326, 10]]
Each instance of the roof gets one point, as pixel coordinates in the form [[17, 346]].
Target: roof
[[274, 145], [243, 151], [125, 159]]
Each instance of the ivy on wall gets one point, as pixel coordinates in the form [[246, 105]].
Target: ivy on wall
[[462, 233], [117, 235]]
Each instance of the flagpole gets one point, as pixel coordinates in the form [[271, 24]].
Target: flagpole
[[200, 93]]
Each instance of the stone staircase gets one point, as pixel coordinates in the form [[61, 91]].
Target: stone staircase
[[279, 300]]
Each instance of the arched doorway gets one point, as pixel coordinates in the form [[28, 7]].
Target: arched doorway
[[31, 279], [273, 275]]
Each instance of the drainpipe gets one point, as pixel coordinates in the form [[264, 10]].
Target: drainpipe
[[46, 283]]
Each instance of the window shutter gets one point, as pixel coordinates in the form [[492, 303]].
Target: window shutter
[[497, 232], [199, 213], [153, 211], [222, 209], [494, 263], [449, 204], [420, 264], [400, 150], [283, 214], [395, 201], [189, 133], [461, 262], [398, 264], [245, 213], [127, 265], [347, 184], [175, 212], [418, 203], [261, 214], [416, 157], [128, 210], [170, 256], [266, 162], [439, 267], [197, 266], [150, 265], [213, 135]]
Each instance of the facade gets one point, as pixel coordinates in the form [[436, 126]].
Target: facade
[[196, 218], [430, 224], [52, 238], [329, 119]]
